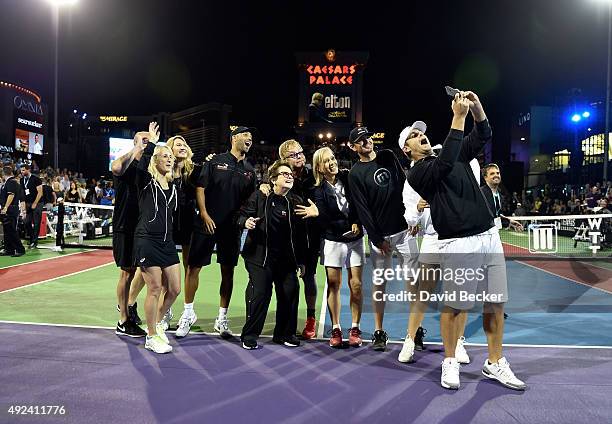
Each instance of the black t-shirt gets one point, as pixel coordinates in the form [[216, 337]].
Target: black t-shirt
[[228, 183], [279, 232], [47, 194], [72, 197], [376, 191], [125, 213], [28, 185], [11, 187]]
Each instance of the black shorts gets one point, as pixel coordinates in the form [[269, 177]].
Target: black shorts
[[154, 252], [312, 259], [182, 227], [123, 249], [226, 238]]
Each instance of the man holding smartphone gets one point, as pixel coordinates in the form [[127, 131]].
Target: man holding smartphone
[[467, 236]]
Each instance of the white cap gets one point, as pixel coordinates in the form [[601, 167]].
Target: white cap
[[417, 125]]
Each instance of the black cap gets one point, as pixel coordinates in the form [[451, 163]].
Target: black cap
[[357, 133], [240, 130]]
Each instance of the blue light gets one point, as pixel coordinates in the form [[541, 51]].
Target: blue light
[[576, 118], [586, 114]]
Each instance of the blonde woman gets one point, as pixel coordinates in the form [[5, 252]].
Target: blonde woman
[[342, 241], [154, 248], [184, 175]]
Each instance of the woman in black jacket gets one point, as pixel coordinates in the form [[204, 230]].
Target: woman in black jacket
[[342, 241], [273, 252], [154, 248], [184, 175]]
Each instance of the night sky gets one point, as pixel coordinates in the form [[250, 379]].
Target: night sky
[[141, 57]]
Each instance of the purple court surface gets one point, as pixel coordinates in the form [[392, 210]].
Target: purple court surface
[[101, 378]]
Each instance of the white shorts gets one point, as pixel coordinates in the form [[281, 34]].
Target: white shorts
[[429, 250], [339, 254], [402, 244], [474, 265]]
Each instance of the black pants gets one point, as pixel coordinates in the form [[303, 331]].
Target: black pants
[[12, 243], [32, 222], [258, 294]]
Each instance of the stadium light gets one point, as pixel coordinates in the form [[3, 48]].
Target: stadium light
[[57, 4], [321, 136], [60, 3], [329, 135], [586, 114], [576, 117]]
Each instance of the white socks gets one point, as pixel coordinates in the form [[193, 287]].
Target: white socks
[[222, 313], [355, 325]]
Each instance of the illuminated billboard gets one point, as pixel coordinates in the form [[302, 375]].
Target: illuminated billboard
[[29, 142], [117, 147]]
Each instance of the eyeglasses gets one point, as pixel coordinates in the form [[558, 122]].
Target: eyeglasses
[[287, 175], [296, 155]]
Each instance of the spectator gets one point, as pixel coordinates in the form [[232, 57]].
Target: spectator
[[49, 198], [572, 204], [65, 183], [108, 196], [82, 190], [73, 194], [91, 196], [520, 210], [57, 189], [593, 197], [603, 204]]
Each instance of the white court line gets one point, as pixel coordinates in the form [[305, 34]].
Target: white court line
[[55, 278], [564, 277], [45, 259], [323, 314], [46, 324]]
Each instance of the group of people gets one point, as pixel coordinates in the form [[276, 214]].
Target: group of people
[[21, 194], [300, 217], [560, 200]]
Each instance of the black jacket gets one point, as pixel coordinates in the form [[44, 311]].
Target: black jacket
[[332, 222], [255, 248], [155, 207], [488, 194], [458, 208]]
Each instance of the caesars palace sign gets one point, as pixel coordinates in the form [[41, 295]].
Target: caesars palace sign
[[330, 74]]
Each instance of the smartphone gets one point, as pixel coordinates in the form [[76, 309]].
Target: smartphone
[[451, 91]]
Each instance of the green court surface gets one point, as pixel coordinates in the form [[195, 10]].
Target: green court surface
[[89, 298]]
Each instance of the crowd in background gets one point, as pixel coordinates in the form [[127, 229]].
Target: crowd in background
[[560, 200], [543, 201], [68, 185]]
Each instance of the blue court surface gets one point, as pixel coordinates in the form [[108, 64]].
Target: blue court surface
[[544, 309]]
